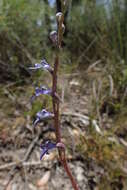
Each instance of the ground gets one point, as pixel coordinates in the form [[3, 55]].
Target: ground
[[20, 165]]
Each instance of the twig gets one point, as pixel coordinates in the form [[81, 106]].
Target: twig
[[97, 128], [94, 90], [15, 164], [111, 85], [20, 45], [93, 65], [29, 150], [97, 99], [87, 49], [73, 114], [85, 119], [7, 166], [123, 142], [25, 157]]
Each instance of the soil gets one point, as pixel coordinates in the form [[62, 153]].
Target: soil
[[20, 165]]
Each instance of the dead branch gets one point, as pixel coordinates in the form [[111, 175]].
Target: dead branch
[[111, 85], [73, 114], [20, 162]]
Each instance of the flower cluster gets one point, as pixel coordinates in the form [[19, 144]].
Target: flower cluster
[[56, 38], [44, 114]]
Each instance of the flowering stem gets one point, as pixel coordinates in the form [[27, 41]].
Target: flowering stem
[[67, 169], [55, 102]]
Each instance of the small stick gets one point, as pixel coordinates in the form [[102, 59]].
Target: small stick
[[20, 162]]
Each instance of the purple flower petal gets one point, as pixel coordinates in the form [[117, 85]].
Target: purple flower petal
[[42, 90], [43, 65], [36, 66], [42, 115], [43, 152], [32, 98], [46, 66], [46, 147]]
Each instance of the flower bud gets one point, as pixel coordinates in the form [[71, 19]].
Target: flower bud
[[59, 16], [53, 36]]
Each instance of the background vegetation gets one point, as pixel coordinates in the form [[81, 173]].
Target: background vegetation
[[96, 35]]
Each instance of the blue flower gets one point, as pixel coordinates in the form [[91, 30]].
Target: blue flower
[[46, 147], [46, 66], [42, 65], [44, 91], [42, 115], [40, 91], [49, 146]]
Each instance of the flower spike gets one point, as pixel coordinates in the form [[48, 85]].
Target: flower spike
[[42, 115]]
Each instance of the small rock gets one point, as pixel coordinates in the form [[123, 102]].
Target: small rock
[[14, 186], [79, 172]]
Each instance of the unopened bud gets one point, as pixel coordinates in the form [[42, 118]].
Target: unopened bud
[[59, 16], [53, 37]]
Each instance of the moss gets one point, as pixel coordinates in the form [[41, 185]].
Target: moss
[[120, 126], [107, 154]]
